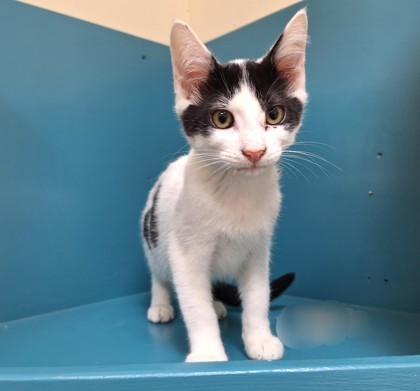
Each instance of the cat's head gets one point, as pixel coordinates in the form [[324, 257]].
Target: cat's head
[[242, 114]]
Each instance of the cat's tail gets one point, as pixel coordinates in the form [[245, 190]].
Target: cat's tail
[[229, 294]]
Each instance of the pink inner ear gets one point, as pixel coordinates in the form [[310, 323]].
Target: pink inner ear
[[290, 68], [192, 82], [191, 61], [289, 51]]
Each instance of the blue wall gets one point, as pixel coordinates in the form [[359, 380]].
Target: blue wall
[[86, 124], [84, 112], [364, 84]]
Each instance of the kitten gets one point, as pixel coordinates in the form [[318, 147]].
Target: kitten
[[211, 214]]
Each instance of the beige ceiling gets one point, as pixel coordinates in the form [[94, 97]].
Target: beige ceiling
[[152, 19]]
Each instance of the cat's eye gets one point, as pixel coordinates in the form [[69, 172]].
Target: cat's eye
[[275, 115], [222, 119]]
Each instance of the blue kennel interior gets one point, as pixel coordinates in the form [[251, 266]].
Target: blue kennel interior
[[86, 125]]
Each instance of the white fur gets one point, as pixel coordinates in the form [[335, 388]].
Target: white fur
[[216, 212], [210, 227], [215, 224]]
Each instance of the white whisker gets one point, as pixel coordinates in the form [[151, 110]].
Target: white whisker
[[285, 168], [313, 157], [304, 166], [295, 168], [308, 160]]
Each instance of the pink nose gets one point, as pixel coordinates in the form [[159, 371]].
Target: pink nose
[[254, 156]]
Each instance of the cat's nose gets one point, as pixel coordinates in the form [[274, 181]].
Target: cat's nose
[[254, 156]]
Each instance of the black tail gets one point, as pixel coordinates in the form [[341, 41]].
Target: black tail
[[228, 293]]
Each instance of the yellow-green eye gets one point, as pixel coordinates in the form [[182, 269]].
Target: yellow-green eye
[[222, 119], [275, 115]]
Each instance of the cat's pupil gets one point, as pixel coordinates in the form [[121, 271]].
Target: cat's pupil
[[223, 117], [273, 113]]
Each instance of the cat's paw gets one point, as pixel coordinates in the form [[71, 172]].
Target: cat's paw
[[160, 313], [206, 357], [264, 348], [220, 309]]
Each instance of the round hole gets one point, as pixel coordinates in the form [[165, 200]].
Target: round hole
[[380, 155], [143, 57], [370, 193]]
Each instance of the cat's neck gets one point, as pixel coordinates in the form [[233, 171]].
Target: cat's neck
[[237, 203]]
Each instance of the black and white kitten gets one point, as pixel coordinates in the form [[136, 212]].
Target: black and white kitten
[[211, 214]]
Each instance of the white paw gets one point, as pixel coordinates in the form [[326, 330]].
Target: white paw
[[206, 357], [220, 309], [264, 348], [160, 313]]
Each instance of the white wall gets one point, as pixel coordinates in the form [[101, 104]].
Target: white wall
[[152, 19]]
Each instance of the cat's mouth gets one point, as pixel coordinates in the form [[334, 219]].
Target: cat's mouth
[[253, 170]]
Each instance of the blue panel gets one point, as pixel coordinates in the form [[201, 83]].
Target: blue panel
[[83, 114], [116, 332], [364, 84], [111, 345], [385, 375], [86, 125]]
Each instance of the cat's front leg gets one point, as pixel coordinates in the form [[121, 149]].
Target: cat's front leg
[[192, 281], [260, 343]]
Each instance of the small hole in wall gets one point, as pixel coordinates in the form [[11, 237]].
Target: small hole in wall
[[143, 57], [369, 278], [386, 280], [380, 155], [370, 193]]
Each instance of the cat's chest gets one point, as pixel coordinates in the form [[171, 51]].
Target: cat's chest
[[243, 220], [235, 207], [230, 254], [246, 214]]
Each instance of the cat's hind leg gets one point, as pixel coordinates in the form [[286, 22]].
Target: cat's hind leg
[[160, 310]]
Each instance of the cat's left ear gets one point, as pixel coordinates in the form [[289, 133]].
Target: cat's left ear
[[288, 54], [191, 63]]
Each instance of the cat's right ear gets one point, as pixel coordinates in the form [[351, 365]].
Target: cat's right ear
[[288, 54], [191, 63]]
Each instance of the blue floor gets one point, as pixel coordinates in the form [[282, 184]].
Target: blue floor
[[116, 332]]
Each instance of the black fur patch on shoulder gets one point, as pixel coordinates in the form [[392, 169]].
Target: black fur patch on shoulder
[[221, 84], [150, 228], [271, 90]]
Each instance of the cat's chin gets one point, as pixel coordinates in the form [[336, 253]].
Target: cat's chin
[[248, 171]]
